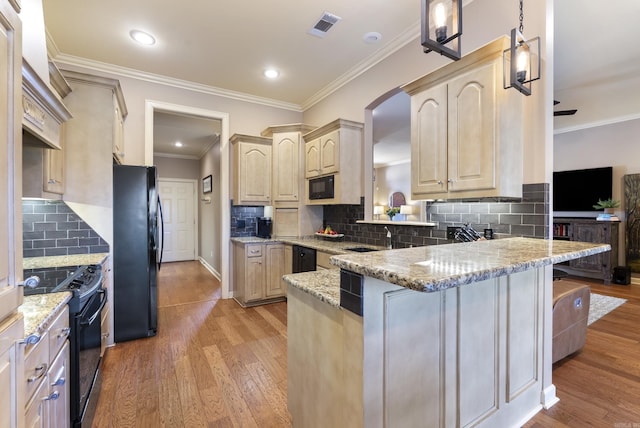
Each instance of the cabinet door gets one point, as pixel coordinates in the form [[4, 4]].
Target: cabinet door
[[59, 400], [589, 232], [285, 167], [37, 411], [254, 279], [10, 170], [12, 392], [330, 153], [429, 142], [472, 130], [312, 158], [275, 268], [255, 173]]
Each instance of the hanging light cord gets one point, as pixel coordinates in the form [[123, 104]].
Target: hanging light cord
[[521, 18]]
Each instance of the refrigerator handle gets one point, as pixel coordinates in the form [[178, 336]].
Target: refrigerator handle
[[161, 233]]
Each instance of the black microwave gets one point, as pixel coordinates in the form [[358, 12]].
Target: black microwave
[[321, 187]]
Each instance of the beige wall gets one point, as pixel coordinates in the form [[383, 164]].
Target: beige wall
[[186, 169], [211, 213]]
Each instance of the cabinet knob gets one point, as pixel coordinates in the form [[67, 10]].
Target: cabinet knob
[[450, 180], [52, 181], [54, 396], [440, 182], [40, 371], [31, 282], [31, 340], [64, 332], [59, 381]]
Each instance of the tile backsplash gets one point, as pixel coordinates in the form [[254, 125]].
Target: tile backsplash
[[528, 217], [51, 228], [243, 220]]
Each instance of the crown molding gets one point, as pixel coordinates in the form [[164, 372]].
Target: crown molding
[[170, 81], [175, 156], [409, 35], [596, 124]]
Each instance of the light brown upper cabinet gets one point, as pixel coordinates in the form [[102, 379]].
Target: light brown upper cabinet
[[322, 155], [466, 130], [251, 183], [336, 149]]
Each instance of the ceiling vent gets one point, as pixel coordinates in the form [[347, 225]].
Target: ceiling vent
[[324, 24]]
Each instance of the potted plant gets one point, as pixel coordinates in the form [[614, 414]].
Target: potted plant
[[392, 211], [607, 205]]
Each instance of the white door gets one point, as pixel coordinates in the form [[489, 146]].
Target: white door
[[178, 209]]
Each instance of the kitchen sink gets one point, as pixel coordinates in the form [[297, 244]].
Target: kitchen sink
[[361, 249]]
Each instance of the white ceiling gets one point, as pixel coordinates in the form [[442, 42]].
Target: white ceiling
[[227, 44]]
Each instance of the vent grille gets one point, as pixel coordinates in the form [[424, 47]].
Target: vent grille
[[324, 24]]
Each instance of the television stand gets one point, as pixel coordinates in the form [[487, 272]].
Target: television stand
[[589, 230]]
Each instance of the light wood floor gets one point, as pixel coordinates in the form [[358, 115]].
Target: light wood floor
[[214, 364], [600, 385]]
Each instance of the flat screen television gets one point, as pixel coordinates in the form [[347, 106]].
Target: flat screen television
[[579, 190]]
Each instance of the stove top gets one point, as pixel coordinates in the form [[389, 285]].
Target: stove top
[[79, 280]]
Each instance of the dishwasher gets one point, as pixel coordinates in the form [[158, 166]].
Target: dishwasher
[[304, 259]]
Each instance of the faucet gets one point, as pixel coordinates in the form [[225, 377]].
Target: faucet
[[388, 240]]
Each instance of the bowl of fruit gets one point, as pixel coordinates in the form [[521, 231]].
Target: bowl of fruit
[[327, 232]]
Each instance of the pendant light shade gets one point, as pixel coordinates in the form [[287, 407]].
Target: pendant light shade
[[521, 62], [442, 27]]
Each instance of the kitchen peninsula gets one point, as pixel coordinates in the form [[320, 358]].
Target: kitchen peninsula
[[451, 335]]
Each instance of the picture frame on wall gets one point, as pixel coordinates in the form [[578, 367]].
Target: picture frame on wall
[[207, 184]]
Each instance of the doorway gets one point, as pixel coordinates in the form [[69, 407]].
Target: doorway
[[222, 218]]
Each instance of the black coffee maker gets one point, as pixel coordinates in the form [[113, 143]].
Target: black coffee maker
[[263, 227]]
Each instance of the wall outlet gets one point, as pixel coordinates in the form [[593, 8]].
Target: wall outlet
[[451, 232]]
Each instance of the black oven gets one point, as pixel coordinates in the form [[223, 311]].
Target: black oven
[[85, 315], [87, 343], [321, 187]]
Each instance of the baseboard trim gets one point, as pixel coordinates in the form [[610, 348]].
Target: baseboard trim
[[549, 397], [210, 268]]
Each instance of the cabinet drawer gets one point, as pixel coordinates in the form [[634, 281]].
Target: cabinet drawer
[[36, 414], [254, 250], [59, 332], [36, 364]]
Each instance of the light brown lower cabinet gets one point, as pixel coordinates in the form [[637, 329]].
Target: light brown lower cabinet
[[257, 273], [46, 377]]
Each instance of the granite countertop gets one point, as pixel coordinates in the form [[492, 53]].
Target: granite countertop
[[438, 267], [331, 246], [324, 284], [60, 261], [40, 310]]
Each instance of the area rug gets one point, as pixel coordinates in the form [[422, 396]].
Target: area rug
[[601, 305]]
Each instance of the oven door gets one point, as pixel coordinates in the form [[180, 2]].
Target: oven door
[[89, 339]]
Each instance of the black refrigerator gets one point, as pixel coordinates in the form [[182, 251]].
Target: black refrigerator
[[137, 251]]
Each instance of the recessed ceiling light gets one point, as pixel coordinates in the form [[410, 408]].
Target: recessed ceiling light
[[372, 37], [271, 73], [142, 37], [178, 144]]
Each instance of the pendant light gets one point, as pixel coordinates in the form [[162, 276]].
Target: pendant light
[[521, 61], [442, 26]]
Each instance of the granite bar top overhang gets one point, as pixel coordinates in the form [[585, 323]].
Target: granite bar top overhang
[[438, 267], [331, 246]]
